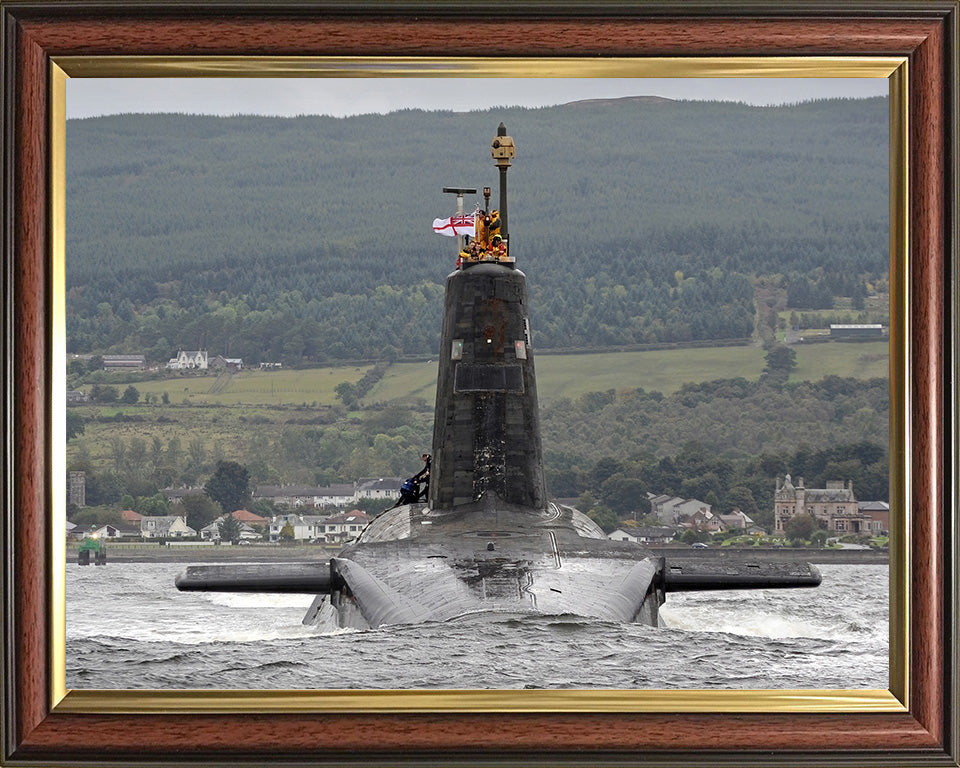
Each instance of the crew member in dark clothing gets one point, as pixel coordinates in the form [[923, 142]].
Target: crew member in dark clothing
[[423, 476], [409, 492]]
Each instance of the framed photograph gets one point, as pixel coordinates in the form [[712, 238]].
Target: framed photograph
[[915, 720]]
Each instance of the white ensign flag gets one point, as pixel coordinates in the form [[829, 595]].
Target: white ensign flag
[[455, 225]]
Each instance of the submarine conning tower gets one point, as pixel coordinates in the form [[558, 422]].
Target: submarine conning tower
[[486, 434]]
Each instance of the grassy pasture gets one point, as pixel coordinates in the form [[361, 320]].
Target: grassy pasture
[[406, 382], [557, 375], [861, 360], [573, 375], [285, 387], [662, 370], [656, 370]]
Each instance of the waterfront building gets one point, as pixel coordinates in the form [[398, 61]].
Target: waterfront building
[[835, 508]]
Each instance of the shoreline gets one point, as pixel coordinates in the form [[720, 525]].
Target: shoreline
[[186, 553]]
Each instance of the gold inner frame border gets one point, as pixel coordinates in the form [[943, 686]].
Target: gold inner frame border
[[894, 699]]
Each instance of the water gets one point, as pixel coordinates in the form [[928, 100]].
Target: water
[[128, 627]]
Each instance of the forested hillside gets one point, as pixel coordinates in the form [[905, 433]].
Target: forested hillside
[[308, 239]]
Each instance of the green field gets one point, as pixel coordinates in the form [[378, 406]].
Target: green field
[[284, 387], [655, 371], [662, 370], [859, 360], [406, 383], [557, 375]]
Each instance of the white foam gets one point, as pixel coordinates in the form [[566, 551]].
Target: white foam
[[257, 600]]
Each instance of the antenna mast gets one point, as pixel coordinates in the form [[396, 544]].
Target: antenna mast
[[459, 192]]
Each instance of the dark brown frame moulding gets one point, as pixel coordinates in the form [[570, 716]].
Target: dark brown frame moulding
[[38, 730]]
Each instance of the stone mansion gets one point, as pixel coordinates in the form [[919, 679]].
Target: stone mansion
[[834, 508]]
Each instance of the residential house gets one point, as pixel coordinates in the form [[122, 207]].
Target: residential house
[[622, 535], [737, 519], [654, 535], [231, 364], [78, 532], [165, 527], [690, 507], [304, 527], [251, 526], [878, 513], [338, 495], [643, 535], [331, 529], [211, 532], [254, 521], [377, 488], [345, 527], [702, 520], [664, 507], [108, 531], [189, 360], [835, 508]]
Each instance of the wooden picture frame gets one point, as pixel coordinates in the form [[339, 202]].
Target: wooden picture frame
[[918, 723]]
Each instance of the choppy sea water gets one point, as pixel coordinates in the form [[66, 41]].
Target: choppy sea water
[[128, 627]]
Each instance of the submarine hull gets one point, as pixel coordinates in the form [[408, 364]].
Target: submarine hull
[[490, 558]]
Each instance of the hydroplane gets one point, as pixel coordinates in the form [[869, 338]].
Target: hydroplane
[[487, 538]]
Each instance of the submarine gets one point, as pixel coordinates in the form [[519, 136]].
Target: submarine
[[487, 538]]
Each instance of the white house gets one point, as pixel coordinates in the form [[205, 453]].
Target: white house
[[114, 532], [642, 535], [326, 528], [303, 526], [211, 532], [338, 495], [378, 488], [654, 535], [622, 535], [189, 360], [344, 527], [665, 506], [165, 527]]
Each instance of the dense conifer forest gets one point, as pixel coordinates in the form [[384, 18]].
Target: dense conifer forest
[[308, 240]]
